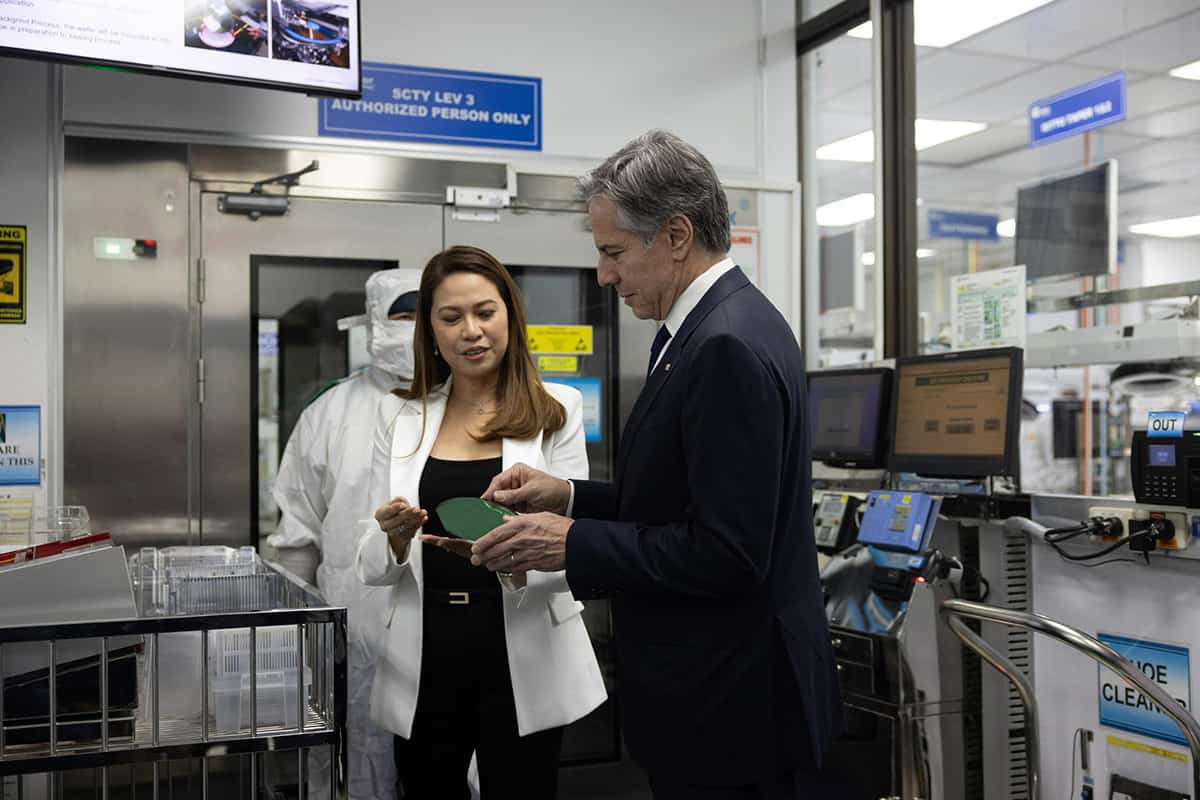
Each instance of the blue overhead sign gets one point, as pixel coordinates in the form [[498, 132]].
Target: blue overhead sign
[[1124, 707], [961, 225], [1074, 111], [439, 106]]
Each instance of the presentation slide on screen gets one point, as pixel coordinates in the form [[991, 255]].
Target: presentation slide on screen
[[306, 43], [952, 408]]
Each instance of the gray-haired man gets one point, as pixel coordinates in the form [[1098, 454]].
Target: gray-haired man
[[705, 541]]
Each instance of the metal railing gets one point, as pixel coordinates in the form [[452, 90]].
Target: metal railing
[[953, 610]]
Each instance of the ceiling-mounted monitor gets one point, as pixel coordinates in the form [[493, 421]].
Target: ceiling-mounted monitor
[[301, 45], [1067, 226]]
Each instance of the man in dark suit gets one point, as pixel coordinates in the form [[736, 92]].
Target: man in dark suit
[[705, 541]]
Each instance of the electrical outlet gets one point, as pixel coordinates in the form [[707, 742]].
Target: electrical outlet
[[1183, 531], [1123, 514]]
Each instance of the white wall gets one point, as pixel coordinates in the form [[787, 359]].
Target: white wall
[[25, 170]]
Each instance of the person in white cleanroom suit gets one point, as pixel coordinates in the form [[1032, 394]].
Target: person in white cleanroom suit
[[325, 486]]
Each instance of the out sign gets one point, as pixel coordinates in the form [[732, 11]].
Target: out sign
[[1166, 424]]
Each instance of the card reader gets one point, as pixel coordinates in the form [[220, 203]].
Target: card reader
[[899, 521]]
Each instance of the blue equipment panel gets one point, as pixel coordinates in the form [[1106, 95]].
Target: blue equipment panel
[[899, 521]]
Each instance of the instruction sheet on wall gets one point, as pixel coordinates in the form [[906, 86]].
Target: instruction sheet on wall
[[987, 309]]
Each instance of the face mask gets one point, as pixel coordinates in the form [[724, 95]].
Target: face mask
[[390, 343]]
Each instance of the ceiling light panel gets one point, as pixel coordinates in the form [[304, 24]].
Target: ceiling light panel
[[847, 211], [941, 23], [928, 133], [1178, 228]]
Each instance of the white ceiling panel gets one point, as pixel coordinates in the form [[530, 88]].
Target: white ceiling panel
[[1161, 94], [1059, 156], [1010, 99], [843, 184], [834, 125], [836, 67], [947, 75], [978, 146], [1155, 49], [1167, 124], [1160, 154], [1057, 30], [1165, 202]]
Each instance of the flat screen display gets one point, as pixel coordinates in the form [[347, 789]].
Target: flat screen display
[[848, 412], [1162, 455], [1067, 226], [957, 414], [841, 272], [307, 45]]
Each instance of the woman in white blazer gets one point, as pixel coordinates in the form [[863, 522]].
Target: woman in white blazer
[[473, 662]]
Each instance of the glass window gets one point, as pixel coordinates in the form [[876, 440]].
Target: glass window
[[1116, 207], [839, 208]]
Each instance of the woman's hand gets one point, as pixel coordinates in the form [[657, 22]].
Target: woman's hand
[[459, 547], [400, 521]]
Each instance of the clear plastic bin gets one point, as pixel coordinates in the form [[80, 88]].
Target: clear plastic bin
[[229, 678]]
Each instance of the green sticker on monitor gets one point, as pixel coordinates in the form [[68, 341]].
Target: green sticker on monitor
[[471, 517]]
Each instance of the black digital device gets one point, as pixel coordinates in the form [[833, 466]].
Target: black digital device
[[957, 415], [1167, 471], [849, 412], [833, 522], [1067, 226]]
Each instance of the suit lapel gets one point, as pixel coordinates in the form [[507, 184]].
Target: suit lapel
[[730, 282]]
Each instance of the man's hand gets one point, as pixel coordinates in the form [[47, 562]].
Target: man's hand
[[530, 541], [525, 489], [400, 521]]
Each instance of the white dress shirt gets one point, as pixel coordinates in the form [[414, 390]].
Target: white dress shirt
[[690, 298]]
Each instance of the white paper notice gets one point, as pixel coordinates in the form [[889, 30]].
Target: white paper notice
[[987, 309]]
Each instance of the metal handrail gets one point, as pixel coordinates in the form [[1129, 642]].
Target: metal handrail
[[1091, 647]]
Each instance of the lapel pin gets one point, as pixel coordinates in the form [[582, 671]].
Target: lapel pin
[[667, 367]]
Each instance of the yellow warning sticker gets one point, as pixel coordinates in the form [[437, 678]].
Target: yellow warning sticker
[[12, 274], [1146, 748], [563, 339], [558, 364]]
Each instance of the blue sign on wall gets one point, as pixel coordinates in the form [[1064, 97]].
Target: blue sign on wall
[[1126, 708], [592, 407], [1074, 111], [961, 225], [20, 446], [439, 106]]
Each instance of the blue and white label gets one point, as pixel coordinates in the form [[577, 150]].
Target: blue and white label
[[1125, 708], [590, 388], [1166, 424], [1074, 111], [962, 225], [439, 106], [20, 446]]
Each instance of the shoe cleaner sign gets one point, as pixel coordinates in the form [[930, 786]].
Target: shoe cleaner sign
[[20, 446], [1124, 707]]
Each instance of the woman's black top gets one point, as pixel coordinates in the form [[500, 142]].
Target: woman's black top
[[443, 480]]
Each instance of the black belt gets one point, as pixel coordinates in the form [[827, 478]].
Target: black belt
[[452, 598]]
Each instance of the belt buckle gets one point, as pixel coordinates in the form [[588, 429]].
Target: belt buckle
[[460, 598]]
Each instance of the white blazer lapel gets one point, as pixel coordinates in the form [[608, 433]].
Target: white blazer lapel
[[522, 451], [412, 442]]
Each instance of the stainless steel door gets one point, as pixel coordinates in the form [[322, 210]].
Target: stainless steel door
[[340, 231], [129, 385]]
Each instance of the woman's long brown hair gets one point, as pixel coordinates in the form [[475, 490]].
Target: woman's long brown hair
[[523, 406]]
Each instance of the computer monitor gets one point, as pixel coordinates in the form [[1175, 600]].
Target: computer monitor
[[1068, 226], [957, 414], [849, 415]]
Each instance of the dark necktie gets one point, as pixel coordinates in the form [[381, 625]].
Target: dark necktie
[[660, 341]]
